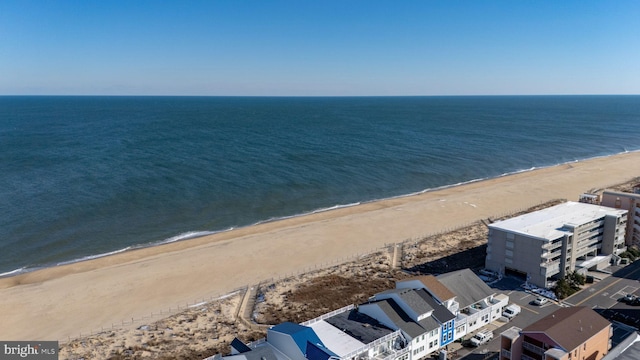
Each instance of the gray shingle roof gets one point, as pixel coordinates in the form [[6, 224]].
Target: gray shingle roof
[[569, 327], [467, 286], [399, 317], [415, 301], [440, 312]]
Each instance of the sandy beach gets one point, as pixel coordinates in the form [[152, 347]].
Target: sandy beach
[[63, 302]]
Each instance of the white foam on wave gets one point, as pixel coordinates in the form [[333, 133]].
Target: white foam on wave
[[196, 234], [189, 235], [13, 272], [335, 207], [91, 257]]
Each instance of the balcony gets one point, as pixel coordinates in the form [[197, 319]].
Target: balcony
[[533, 348], [552, 246], [550, 264], [552, 270]]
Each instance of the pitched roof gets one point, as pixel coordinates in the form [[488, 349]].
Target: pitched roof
[[239, 346], [569, 327], [299, 333], [409, 297], [395, 313], [467, 286], [440, 312], [259, 353], [415, 301], [435, 287]]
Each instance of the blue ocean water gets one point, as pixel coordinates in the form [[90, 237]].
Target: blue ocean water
[[85, 176]]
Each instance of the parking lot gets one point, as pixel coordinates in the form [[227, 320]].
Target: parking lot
[[529, 314], [603, 296]]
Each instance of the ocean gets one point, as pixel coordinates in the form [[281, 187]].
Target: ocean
[[83, 177]]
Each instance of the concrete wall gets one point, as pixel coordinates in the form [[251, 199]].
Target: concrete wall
[[629, 202], [516, 251]]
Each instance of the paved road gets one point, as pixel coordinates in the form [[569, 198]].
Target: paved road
[[603, 296], [606, 292]]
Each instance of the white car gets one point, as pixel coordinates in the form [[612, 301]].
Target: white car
[[540, 301], [481, 338], [511, 311]]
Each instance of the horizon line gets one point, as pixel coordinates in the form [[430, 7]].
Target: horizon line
[[305, 96]]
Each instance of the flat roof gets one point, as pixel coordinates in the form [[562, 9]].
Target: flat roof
[[512, 332], [621, 194], [360, 326], [548, 223], [337, 341], [592, 261]]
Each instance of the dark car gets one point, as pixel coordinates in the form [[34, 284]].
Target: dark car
[[628, 299]]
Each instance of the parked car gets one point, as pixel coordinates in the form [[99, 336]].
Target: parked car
[[511, 311], [481, 338], [628, 299], [540, 301]]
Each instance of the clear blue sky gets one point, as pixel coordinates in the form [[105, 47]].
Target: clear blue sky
[[321, 47]]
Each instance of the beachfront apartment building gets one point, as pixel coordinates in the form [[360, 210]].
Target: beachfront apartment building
[[548, 244], [409, 322], [631, 203], [465, 295], [573, 333]]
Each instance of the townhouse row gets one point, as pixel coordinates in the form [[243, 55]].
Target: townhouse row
[[420, 316]]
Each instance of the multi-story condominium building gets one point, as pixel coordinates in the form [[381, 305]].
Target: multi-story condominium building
[[631, 203], [574, 333], [410, 322], [552, 242]]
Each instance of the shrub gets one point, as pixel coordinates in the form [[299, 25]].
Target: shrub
[[569, 285]]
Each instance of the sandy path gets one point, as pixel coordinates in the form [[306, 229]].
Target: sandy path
[[65, 301]]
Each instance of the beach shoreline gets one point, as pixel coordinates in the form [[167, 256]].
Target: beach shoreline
[[194, 235], [63, 301]]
